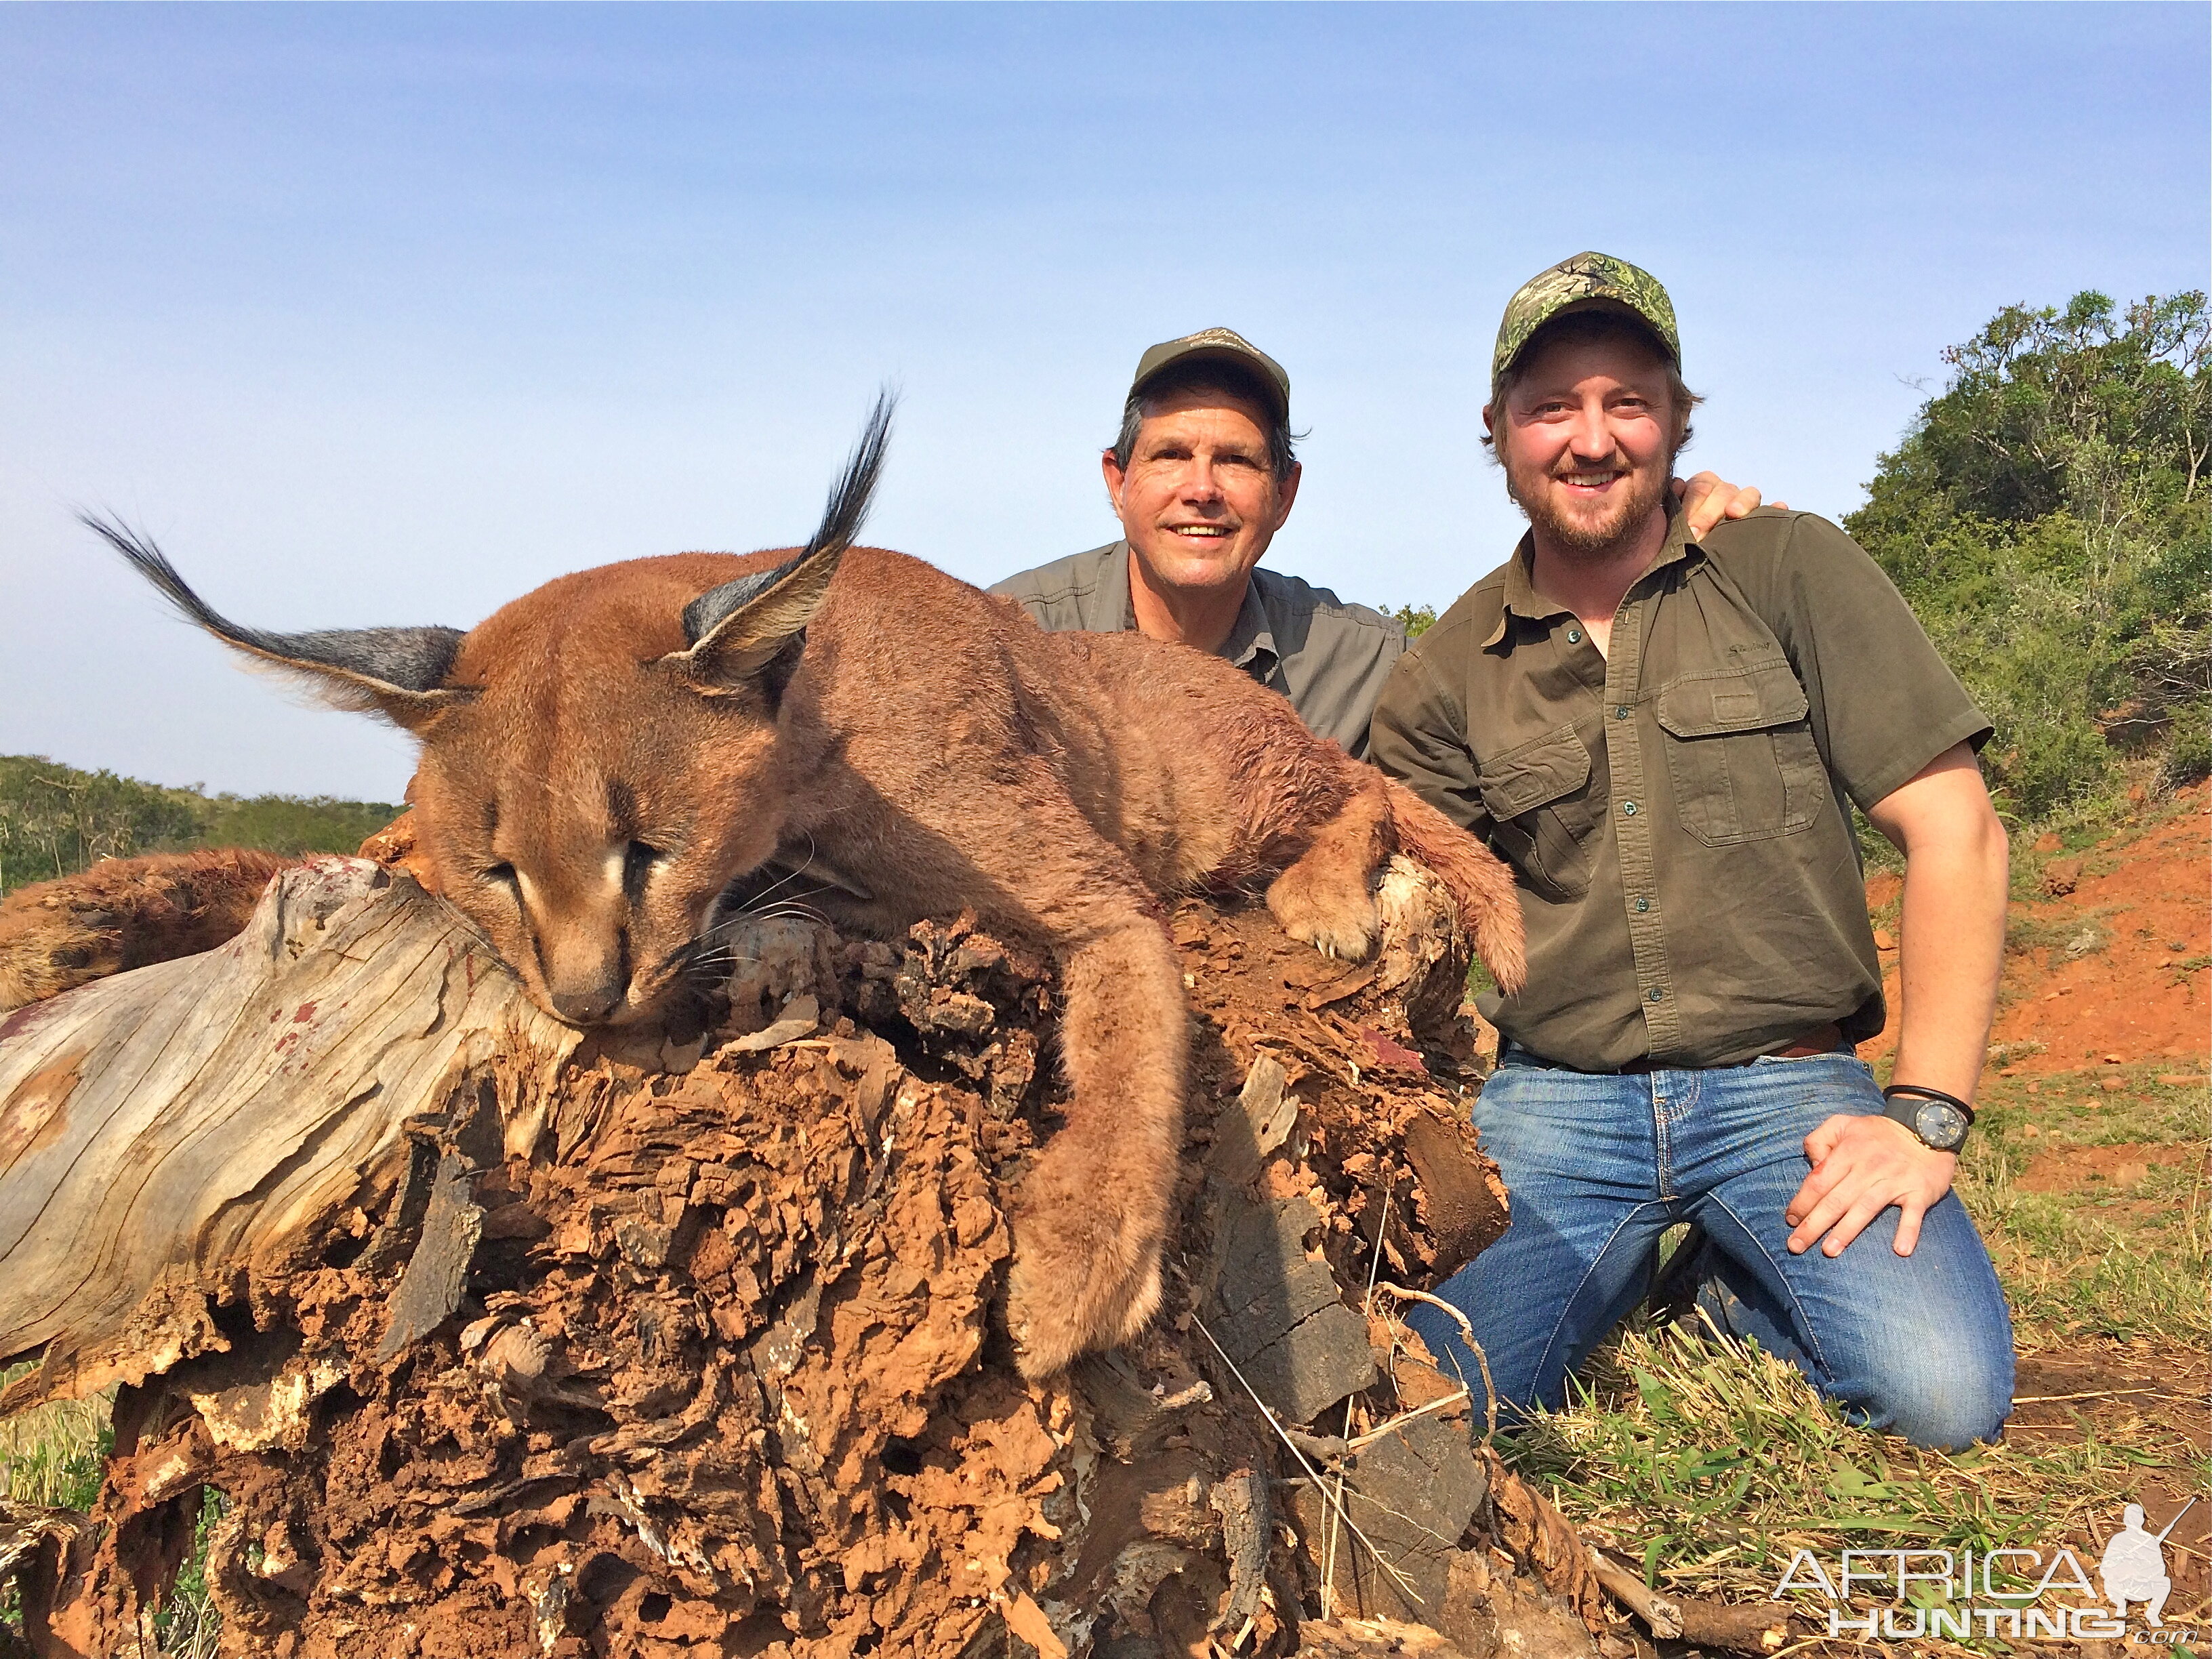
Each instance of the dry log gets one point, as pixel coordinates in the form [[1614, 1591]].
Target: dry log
[[1661, 1615], [190, 1133], [495, 1344], [1758, 1627]]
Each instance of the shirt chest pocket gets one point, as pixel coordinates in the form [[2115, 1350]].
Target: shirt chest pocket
[[1539, 797], [1740, 754]]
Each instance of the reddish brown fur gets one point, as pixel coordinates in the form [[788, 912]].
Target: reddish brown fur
[[123, 914], [932, 750]]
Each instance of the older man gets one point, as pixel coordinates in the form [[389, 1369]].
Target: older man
[[1665, 732], [1201, 477]]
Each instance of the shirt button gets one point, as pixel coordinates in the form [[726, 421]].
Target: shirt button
[[1574, 637], [1628, 809], [1621, 711], [1654, 994], [1642, 905]]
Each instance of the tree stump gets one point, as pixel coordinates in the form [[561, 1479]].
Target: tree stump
[[493, 1342]]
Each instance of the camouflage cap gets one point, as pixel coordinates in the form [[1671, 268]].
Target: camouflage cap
[[1573, 284], [1225, 345]]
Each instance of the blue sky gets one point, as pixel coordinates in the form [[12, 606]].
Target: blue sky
[[386, 314]]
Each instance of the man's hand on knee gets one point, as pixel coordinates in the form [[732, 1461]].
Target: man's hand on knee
[[1861, 1166]]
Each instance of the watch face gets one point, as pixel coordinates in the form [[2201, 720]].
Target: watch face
[[1941, 1125]]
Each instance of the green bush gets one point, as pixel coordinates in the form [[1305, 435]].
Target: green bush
[[2188, 750], [55, 820], [1415, 619], [2049, 516], [292, 824]]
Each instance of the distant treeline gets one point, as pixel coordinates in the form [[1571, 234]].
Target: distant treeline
[[55, 820]]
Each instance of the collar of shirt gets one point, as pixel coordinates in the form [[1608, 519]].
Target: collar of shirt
[[1251, 643], [1522, 601]]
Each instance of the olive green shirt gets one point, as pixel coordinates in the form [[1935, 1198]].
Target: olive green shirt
[[1328, 658], [1676, 811]]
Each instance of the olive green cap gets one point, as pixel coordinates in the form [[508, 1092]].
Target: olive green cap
[[1223, 345], [1587, 280]]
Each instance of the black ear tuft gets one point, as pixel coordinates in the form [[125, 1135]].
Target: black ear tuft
[[856, 485], [734, 631], [396, 671]]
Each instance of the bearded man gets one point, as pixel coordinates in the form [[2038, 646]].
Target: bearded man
[[1201, 477], [1665, 732]]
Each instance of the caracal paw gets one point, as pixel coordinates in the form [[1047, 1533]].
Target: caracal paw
[[1336, 917]]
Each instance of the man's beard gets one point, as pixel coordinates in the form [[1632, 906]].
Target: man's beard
[[1643, 493]]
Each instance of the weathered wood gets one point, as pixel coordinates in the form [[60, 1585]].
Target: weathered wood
[[185, 1130], [437, 1273]]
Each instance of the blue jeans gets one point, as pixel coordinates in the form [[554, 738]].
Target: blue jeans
[[1597, 1167]]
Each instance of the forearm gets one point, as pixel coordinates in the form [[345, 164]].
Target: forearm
[[1950, 953], [1952, 949]]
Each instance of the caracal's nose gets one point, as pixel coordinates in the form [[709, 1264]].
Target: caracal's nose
[[590, 1005]]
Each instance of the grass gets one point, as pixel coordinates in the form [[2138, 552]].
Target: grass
[[2104, 1260], [1709, 1462], [2081, 934], [188, 1626], [51, 1457]]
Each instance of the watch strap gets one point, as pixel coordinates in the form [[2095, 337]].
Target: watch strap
[[1922, 1091], [1905, 1104]]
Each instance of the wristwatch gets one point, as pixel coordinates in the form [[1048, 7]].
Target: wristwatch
[[1940, 1120]]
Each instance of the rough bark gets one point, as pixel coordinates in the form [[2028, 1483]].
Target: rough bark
[[494, 1344]]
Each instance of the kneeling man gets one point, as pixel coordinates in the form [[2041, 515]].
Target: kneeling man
[[1664, 733]]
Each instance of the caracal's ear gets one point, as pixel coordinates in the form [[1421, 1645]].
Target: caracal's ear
[[739, 629], [396, 672]]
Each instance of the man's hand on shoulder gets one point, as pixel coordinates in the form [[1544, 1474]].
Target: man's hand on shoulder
[[1708, 498], [1861, 1166]]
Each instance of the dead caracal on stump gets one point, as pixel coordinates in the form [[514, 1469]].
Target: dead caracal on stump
[[604, 758]]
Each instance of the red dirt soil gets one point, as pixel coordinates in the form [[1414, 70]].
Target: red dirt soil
[[2142, 989], [2135, 994]]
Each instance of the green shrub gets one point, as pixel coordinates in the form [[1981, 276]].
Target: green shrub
[[1415, 619], [2049, 516], [2189, 747], [55, 820], [292, 824]]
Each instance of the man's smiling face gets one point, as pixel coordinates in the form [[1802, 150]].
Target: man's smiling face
[[1587, 434], [1199, 502]]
